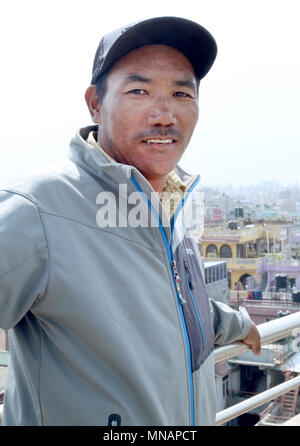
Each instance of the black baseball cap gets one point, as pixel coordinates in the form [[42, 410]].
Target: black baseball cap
[[194, 41]]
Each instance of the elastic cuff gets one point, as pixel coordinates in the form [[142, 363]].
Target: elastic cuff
[[247, 322]]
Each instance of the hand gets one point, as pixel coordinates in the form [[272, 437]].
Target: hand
[[253, 340]]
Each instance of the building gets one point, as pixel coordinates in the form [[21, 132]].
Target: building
[[244, 248], [216, 280]]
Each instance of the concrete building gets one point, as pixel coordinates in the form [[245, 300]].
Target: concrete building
[[216, 280]]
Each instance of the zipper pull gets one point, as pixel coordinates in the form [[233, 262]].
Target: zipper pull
[[189, 276], [177, 282]]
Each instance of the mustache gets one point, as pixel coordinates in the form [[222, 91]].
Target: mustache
[[164, 133]]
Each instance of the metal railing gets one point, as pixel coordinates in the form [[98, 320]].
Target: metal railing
[[272, 303], [269, 332], [255, 401], [234, 261], [269, 300]]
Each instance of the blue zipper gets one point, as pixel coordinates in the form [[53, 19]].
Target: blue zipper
[[171, 260]]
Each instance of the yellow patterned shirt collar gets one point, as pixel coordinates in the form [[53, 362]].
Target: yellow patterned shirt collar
[[174, 189]]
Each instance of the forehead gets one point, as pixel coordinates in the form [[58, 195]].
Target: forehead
[[149, 57]]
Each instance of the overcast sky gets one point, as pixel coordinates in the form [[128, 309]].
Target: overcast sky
[[248, 128]]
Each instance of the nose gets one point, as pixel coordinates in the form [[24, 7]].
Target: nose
[[161, 114]]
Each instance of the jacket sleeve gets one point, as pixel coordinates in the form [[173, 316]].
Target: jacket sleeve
[[229, 325], [23, 257]]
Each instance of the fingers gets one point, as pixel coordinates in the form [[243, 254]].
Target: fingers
[[253, 340], [256, 349]]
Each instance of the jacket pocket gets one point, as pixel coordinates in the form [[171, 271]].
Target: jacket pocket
[[196, 309], [190, 286]]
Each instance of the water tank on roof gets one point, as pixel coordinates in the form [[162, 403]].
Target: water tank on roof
[[232, 225], [239, 212], [281, 281], [292, 281], [296, 296]]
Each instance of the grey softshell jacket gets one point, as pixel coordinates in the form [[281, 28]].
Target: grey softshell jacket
[[107, 324]]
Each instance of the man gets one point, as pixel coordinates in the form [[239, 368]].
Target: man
[[109, 321]]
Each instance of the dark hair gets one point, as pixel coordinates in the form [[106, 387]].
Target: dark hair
[[101, 86]]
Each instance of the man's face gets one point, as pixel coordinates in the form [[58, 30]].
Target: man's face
[[150, 109]]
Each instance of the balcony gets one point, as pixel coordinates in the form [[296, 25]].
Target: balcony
[[235, 262], [234, 235], [269, 332], [269, 300]]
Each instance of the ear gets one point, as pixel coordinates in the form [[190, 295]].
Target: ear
[[93, 104]]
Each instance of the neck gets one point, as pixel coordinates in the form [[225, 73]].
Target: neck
[[158, 184]]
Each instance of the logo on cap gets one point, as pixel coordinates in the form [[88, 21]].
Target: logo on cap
[[125, 29]]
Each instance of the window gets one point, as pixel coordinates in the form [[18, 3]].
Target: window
[[240, 250], [206, 275], [225, 385], [225, 252], [213, 273], [218, 272], [223, 271], [209, 275], [211, 251]]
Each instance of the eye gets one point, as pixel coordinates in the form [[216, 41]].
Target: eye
[[138, 92], [181, 94]]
